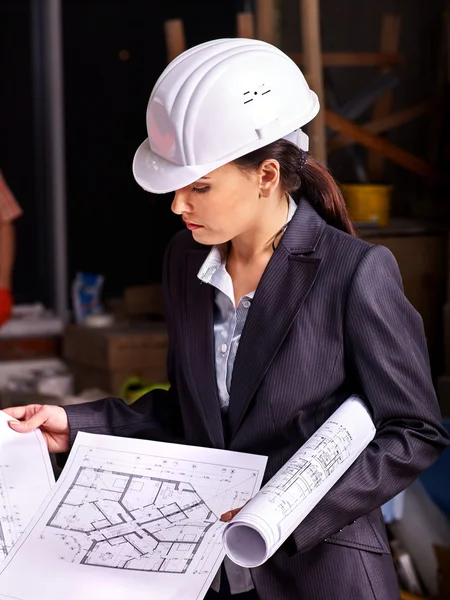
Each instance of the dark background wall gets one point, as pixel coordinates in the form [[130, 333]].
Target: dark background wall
[[355, 26], [17, 156], [114, 227]]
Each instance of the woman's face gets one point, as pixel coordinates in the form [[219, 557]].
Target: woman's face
[[222, 205]]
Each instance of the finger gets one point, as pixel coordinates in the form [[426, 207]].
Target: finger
[[22, 412], [229, 515], [55, 443], [16, 412], [30, 424]]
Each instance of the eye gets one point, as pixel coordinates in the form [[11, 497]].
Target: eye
[[201, 190]]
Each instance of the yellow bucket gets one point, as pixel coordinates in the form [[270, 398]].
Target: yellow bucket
[[368, 202]]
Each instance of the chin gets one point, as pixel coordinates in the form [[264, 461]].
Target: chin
[[207, 238]]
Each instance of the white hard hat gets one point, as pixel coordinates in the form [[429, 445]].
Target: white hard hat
[[215, 103]]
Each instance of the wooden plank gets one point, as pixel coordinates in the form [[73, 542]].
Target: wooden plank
[[400, 117], [408, 596], [175, 39], [390, 35], [387, 123], [357, 161], [245, 24], [381, 145], [311, 40], [266, 21], [352, 59], [369, 93]]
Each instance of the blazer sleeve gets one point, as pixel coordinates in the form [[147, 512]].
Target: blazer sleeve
[[386, 349], [155, 416]]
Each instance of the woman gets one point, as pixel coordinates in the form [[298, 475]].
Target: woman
[[276, 313]]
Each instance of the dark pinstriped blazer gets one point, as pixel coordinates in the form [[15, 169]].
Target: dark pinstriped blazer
[[329, 318]]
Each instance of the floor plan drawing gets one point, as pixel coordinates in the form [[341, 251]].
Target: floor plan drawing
[[150, 514], [114, 519], [26, 476], [3, 547], [10, 525], [131, 518]]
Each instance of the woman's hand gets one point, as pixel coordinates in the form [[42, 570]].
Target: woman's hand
[[51, 420]]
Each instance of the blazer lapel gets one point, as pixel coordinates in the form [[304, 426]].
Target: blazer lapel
[[198, 334], [279, 297]]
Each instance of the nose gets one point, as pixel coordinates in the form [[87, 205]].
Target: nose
[[180, 203]]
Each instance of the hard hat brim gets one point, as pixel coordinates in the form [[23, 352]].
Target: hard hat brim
[[165, 176], [157, 175]]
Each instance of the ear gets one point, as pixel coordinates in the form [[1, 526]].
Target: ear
[[269, 177]]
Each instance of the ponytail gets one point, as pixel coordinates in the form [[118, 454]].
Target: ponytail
[[302, 176], [320, 188]]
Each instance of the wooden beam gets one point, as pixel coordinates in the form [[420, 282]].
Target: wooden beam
[[352, 59], [175, 40], [369, 93], [387, 123], [266, 21], [375, 142], [407, 596], [245, 24], [390, 35], [311, 40]]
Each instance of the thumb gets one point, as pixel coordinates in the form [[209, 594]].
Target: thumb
[[230, 515], [30, 424]]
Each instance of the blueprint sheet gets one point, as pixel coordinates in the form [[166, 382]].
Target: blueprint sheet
[[260, 528], [26, 477], [131, 519]]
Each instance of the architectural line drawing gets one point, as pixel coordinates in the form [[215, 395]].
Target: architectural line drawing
[[131, 517], [305, 472], [3, 549], [10, 521], [26, 476], [288, 497], [123, 521]]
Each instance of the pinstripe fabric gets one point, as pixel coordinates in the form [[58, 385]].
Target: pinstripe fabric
[[229, 321], [329, 318]]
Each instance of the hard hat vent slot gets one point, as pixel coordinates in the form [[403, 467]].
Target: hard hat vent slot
[[255, 94], [250, 99]]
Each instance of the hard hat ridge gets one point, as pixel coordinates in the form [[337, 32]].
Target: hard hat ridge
[[216, 102]]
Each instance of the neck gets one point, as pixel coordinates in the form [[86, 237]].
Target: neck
[[257, 241]]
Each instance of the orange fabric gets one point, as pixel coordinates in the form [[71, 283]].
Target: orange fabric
[[6, 305], [9, 208]]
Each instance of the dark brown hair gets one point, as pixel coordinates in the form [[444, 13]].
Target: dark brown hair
[[302, 176]]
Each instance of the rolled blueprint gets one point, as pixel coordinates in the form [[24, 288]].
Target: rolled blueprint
[[265, 522]]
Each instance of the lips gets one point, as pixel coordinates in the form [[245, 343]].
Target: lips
[[192, 226]]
